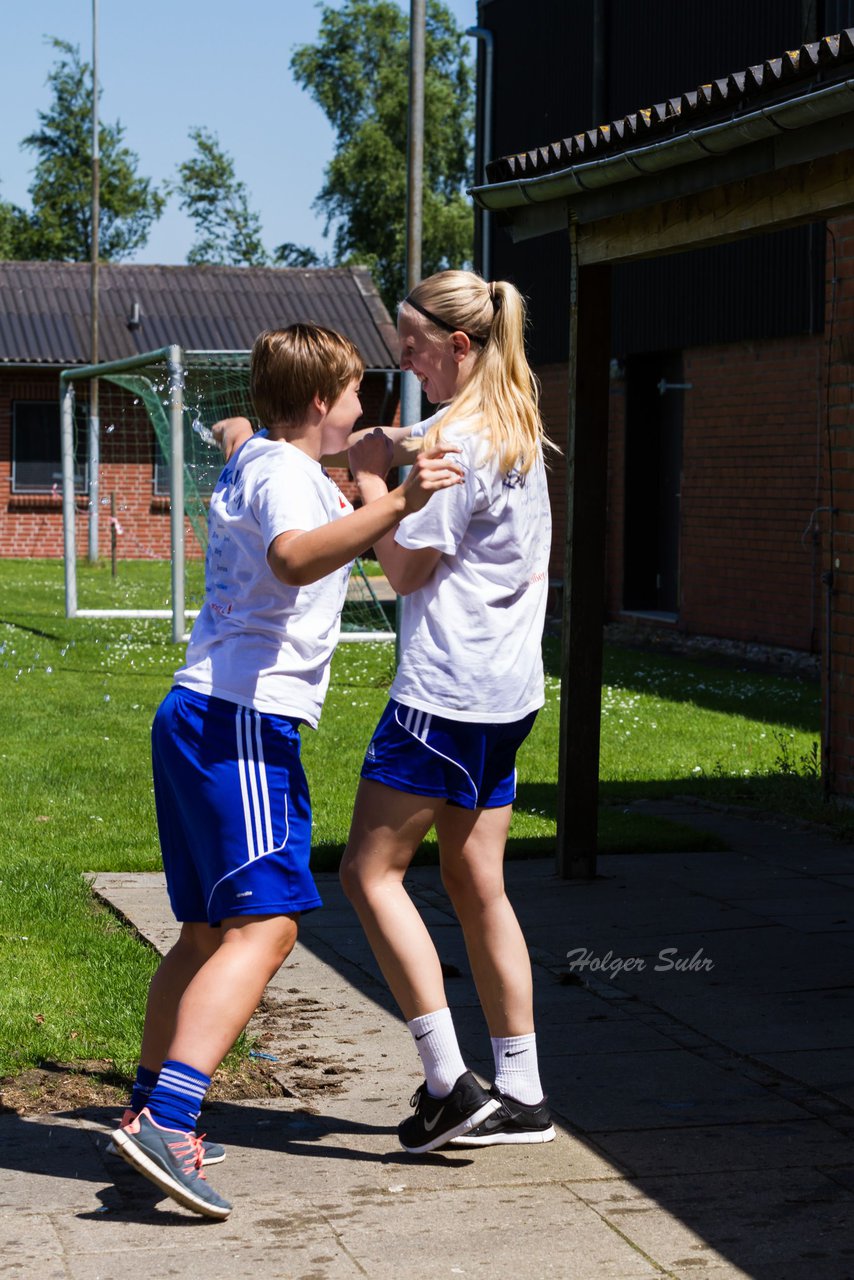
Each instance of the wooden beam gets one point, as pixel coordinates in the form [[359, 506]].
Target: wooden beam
[[820, 188], [584, 569]]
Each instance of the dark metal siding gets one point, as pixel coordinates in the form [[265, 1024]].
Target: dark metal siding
[[662, 47], [543, 89], [768, 286], [835, 15], [543, 82]]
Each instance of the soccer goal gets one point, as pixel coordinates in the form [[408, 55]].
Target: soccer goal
[[139, 463]]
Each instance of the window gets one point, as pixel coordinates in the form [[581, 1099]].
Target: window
[[36, 452], [162, 484]]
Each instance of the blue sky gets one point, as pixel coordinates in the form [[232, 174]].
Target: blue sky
[[168, 65]]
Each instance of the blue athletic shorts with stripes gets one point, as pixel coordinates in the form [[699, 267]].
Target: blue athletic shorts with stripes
[[233, 810], [471, 765]]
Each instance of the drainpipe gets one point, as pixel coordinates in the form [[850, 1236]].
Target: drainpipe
[[483, 152]]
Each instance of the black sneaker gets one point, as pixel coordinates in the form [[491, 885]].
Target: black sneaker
[[438, 1120], [511, 1122], [172, 1161]]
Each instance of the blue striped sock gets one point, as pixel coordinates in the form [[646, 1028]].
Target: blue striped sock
[[176, 1099], [143, 1086]]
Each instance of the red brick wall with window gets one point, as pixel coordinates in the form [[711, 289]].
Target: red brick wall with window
[[31, 523]]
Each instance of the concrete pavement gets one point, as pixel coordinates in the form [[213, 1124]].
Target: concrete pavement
[[696, 1038]]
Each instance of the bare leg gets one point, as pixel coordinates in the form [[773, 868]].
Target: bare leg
[[386, 830], [472, 853], [195, 946], [223, 994]]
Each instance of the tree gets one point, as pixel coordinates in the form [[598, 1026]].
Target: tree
[[358, 73], [14, 231], [298, 255], [227, 230], [60, 225]]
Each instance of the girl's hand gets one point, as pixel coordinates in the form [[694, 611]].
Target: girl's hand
[[371, 455], [432, 470], [230, 434]]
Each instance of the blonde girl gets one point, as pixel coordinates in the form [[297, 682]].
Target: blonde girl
[[473, 567]]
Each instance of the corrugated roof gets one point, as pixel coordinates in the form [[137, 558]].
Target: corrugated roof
[[817, 63], [45, 309]]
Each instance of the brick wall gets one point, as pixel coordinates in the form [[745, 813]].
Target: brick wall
[[28, 523], [554, 408], [838, 539], [554, 405], [762, 421], [31, 524], [751, 441]]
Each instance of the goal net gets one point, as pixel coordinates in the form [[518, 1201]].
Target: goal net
[[139, 465]]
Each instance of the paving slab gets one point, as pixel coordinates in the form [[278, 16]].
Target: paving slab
[[776, 1224], [705, 1115], [780, 1144]]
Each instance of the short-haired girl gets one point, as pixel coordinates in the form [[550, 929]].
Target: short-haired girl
[[233, 809]]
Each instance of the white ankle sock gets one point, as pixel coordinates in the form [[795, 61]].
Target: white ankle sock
[[436, 1042], [517, 1073]]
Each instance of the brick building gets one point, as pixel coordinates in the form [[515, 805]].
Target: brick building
[[744, 546], [44, 328], [710, 479], [720, 357]]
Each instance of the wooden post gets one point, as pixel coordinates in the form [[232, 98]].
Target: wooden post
[[584, 566]]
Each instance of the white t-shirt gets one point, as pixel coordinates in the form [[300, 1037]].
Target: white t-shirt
[[471, 636], [258, 642]]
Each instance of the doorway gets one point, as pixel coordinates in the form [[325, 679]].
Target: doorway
[[654, 412]]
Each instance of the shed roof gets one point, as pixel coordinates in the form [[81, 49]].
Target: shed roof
[[45, 309]]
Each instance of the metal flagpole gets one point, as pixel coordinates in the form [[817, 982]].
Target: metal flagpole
[[410, 387], [94, 416]]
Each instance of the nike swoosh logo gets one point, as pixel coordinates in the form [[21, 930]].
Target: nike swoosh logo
[[514, 1053], [429, 1033], [431, 1124]]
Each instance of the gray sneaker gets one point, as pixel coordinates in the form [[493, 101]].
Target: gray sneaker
[[172, 1161], [212, 1152]]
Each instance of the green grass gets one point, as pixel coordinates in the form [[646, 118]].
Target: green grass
[[76, 702]]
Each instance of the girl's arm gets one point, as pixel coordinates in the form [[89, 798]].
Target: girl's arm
[[302, 556], [231, 433], [406, 569], [402, 451]]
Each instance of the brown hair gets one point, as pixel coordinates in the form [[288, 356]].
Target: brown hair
[[291, 366], [501, 392]]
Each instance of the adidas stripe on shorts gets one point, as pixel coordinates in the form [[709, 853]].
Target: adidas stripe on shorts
[[233, 809], [470, 764]]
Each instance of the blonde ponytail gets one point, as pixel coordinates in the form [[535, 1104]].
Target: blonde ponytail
[[500, 395]]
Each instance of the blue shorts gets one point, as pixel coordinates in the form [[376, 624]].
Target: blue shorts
[[233, 810], [472, 765]]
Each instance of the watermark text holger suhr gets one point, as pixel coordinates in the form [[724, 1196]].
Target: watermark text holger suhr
[[668, 960]]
